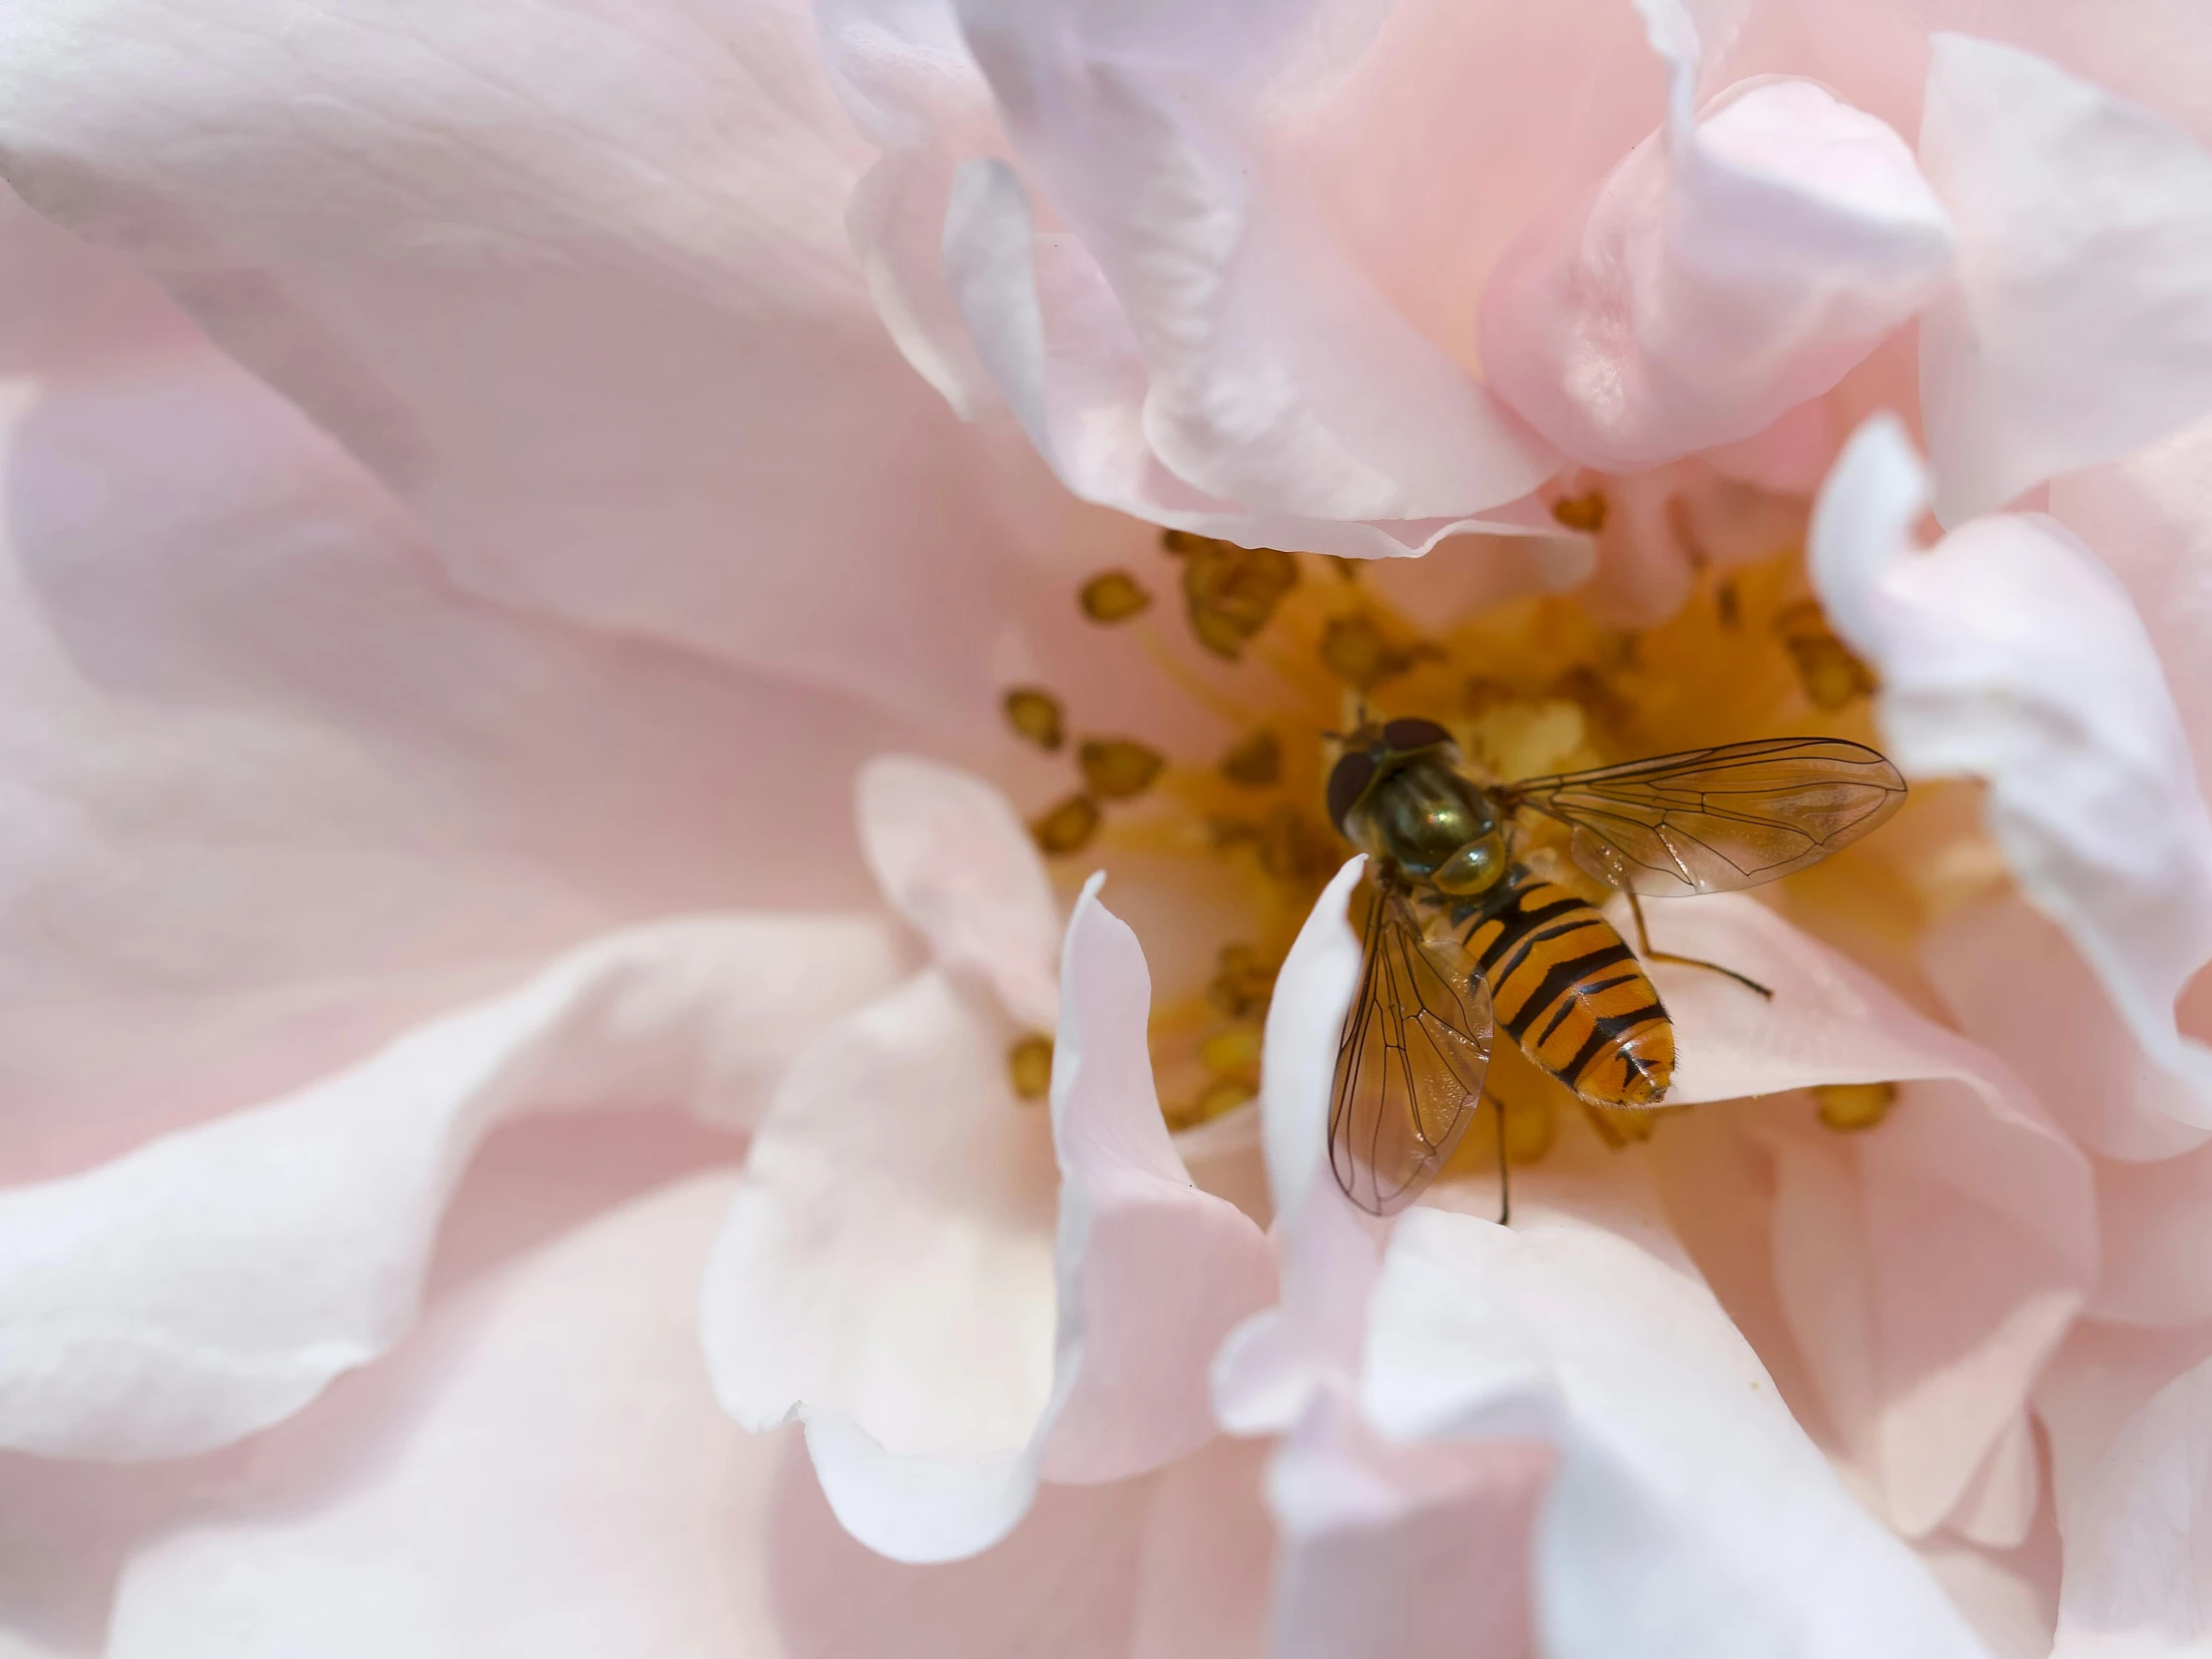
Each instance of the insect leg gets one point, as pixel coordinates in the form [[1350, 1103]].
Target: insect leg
[[1504, 1167], [1643, 941]]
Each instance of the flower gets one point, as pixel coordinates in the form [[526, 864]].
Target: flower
[[470, 528]]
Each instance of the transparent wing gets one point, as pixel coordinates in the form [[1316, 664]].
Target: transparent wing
[[1417, 1041], [1715, 819]]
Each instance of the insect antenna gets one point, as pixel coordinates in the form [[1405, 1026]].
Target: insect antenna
[[1358, 726]]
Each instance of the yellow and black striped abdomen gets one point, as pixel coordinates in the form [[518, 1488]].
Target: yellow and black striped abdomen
[[1572, 995]]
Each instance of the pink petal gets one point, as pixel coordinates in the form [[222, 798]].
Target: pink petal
[[951, 856], [2016, 985], [1276, 378], [1728, 269], [573, 281], [2080, 326], [67, 1528], [1194, 347], [2009, 654], [2009, 1596], [906, 76], [1926, 1269], [1065, 1581], [888, 1273], [2100, 1381], [541, 1464], [217, 1279], [1689, 1512], [275, 792], [1412, 1550], [1207, 1554], [2137, 1556], [1444, 128], [2150, 517], [1052, 333]]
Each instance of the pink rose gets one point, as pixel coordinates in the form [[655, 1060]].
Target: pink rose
[[475, 543]]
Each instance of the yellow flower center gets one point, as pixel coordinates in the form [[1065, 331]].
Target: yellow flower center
[[1283, 649]]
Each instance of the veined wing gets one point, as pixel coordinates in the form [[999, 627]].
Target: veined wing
[[1716, 820], [1409, 1065]]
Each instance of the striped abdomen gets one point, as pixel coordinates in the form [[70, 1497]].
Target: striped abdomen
[[1572, 995]]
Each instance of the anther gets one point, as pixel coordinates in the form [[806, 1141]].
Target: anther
[[1068, 828], [1243, 983], [1581, 512], [1230, 592], [1029, 1067], [1235, 1051], [1114, 596], [1850, 1107], [1831, 675], [1118, 768], [1357, 650], [1222, 1095], [1256, 761], [1037, 716], [1621, 1126]]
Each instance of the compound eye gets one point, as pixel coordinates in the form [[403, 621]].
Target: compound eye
[[1402, 735], [1347, 784]]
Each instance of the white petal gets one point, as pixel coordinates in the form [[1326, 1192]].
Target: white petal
[[217, 1278], [888, 1273], [1299, 1058], [540, 1469], [1271, 1368], [1727, 271], [1152, 1273], [1689, 1514], [2008, 653], [953, 858], [2082, 323]]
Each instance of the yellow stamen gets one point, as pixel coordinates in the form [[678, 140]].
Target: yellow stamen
[[1850, 1107], [1243, 981], [1029, 1067], [1229, 591], [1037, 716], [1235, 1050], [1068, 828], [1118, 768], [1212, 1100], [1114, 596], [1356, 651], [1255, 763], [1581, 512], [1832, 675]]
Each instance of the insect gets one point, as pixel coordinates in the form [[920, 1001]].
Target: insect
[[1462, 937]]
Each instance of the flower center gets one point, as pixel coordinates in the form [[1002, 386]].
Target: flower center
[[1279, 650]]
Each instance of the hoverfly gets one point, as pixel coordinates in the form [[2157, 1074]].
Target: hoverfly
[[1462, 935]]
